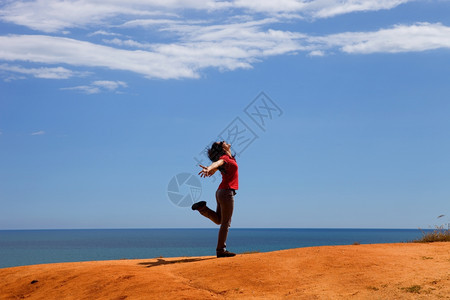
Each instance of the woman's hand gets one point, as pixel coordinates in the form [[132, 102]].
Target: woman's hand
[[206, 172], [209, 171]]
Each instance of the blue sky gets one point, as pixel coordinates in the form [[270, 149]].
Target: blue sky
[[102, 103]]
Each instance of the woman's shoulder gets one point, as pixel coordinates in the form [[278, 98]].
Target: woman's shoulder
[[224, 157], [227, 157]]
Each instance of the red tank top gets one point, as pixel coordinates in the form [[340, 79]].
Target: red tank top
[[230, 178]]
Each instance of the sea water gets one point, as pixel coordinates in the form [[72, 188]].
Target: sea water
[[26, 247]]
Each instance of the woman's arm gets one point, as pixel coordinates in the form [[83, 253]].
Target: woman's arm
[[211, 169]]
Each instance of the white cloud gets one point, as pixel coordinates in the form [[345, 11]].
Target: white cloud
[[46, 73], [149, 23], [10, 78], [102, 32], [86, 89], [225, 47], [57, 15], [127, 43], [40, 132], [400, 38], [98, 87], [243, 35], [316, 8], [109, 85], [54, 50], [317, 53], [331, 8], [269, 6]]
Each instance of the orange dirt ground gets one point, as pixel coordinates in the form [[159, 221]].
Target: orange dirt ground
[[380, 271]]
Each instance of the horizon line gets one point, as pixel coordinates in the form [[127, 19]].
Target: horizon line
[[201, 228]]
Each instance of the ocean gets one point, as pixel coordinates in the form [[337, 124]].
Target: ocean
[[27, 247]]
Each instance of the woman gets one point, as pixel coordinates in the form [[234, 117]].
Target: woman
[[222, 160]]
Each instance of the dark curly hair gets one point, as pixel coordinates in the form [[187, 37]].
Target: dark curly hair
[[215, 152]]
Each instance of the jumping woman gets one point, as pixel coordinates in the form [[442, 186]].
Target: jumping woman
[[222, 160]]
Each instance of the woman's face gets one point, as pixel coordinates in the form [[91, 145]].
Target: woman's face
[[225, 146]]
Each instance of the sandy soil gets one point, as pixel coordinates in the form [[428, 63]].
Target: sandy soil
[[383, 271]]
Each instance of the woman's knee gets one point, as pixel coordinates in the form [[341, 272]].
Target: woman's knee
[[225, 224], [218, 220]]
